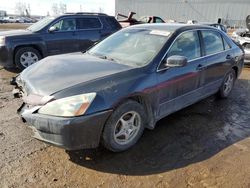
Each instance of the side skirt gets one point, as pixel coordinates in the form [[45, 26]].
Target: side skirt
[[188, 99]]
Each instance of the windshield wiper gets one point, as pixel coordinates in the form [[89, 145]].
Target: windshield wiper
[[105, 57], [109, 58]]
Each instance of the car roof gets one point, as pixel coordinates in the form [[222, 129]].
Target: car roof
[[172, 27], [84, 14]]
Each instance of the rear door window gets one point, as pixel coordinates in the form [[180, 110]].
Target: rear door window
[[212, 42], [88, 23], [187, 44]]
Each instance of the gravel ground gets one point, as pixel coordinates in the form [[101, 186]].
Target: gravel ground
[[204, 145]]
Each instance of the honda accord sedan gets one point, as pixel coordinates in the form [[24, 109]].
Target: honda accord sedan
[[126, 83]]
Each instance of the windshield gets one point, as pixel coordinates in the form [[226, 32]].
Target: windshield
[[133, 47], [40, 24]]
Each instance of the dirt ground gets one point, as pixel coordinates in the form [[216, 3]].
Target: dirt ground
[[204, 145], [8, 26]]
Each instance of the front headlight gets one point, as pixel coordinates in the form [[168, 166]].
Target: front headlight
[[2, 40], [68, 107]]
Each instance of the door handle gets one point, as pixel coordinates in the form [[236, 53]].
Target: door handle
[[200, 67], [229, 56]]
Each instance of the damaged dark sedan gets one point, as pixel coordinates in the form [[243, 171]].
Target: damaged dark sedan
[[125, 84]]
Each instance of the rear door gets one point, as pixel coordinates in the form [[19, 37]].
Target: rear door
[[177, 85], [218, 58], [88, 31]]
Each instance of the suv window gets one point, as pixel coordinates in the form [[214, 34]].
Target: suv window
[[88, 23], [68, 24], [187, 44], [212, 42], [112, 23]]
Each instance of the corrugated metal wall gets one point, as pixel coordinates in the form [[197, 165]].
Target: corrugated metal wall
[[231, 11]]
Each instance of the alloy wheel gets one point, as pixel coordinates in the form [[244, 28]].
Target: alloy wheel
[[127, 127], [28, 58]]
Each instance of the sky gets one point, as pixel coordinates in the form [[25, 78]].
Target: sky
[[42, 7]]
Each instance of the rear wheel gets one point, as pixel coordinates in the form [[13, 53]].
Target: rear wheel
[[125, 126], [26, 56], [227, 84]]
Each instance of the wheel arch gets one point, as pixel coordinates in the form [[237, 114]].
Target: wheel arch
[[37, 47], [236, 70], [145, 102]]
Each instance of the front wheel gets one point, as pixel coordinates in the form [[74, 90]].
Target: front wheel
[[124, 127], [26, 56], [227, 84]]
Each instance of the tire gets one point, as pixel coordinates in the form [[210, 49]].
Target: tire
[[227, 84], [26, 56], [114, 126]]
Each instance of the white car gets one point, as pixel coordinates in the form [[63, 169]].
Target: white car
[[10, 19], [242, 36]]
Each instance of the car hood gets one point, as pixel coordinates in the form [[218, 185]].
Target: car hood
[[14, 33], [56, 73]]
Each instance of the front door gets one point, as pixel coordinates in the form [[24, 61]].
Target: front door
[[177, 85], [64, 37]]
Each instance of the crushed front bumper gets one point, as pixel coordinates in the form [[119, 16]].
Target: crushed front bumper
[[69, 133]]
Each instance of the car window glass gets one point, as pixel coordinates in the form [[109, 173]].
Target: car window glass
[[88, 23], [187, 44], [158, 20], [212, 42], [142, 46], [226, 45], [65, 25], [112, 23], [40, 24]]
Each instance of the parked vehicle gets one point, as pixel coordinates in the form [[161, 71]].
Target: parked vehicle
[[28, 20], [242, 37], [126, 83], [2, 20], [10, 19], [126, 21], [54, 35], [151, 19]]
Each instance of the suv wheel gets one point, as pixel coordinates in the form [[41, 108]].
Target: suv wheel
[[124, 127], [26, 56], [227, 84]]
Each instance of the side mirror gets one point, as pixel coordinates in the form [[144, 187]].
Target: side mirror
[[53, 29], [176, 61]]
